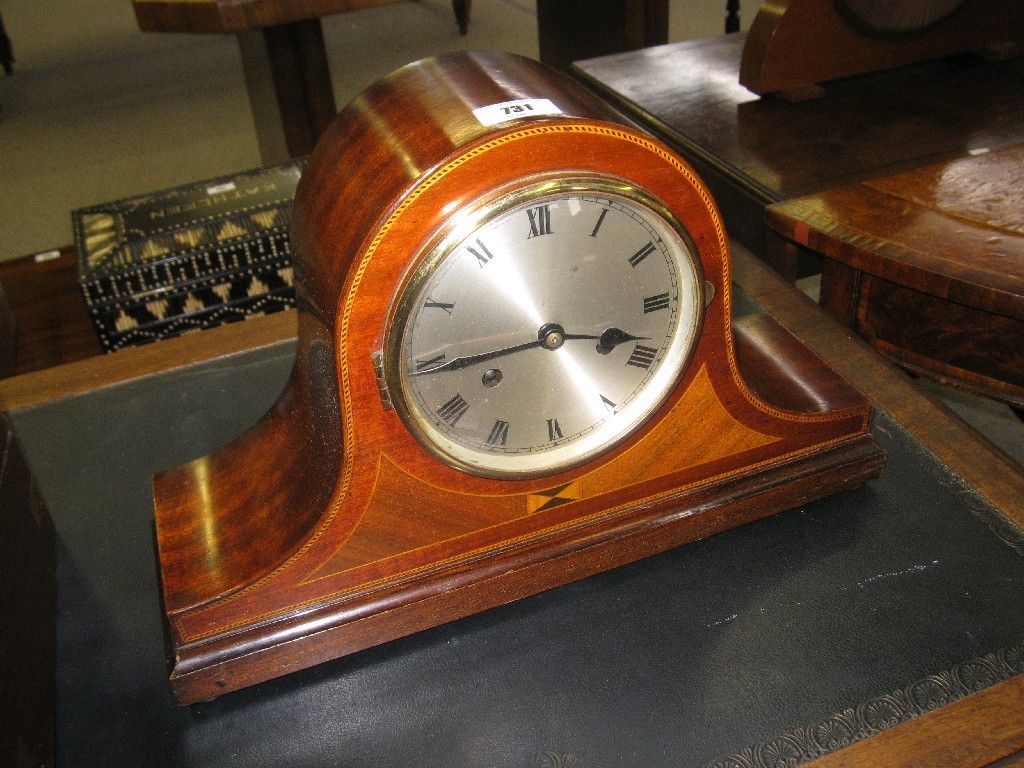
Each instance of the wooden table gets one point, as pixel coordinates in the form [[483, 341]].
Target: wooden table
[[283, 54], [282, 46], [927, 265], [753, 152], [973, 731]]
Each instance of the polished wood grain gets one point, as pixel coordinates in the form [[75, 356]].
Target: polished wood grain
[[997, 477], [987, 469], [795, 45], [992, 474], [336, 530], [753, 151], [928, 265], [46, 320]]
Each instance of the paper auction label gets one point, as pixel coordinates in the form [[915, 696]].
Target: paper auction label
[[515, 110]]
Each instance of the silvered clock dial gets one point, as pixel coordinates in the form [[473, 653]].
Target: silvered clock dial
[[545, 326]]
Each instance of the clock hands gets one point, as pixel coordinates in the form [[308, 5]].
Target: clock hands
[[457, 363], [613, 337], [550, 336]]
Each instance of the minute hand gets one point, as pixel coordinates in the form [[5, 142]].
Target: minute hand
[[605, 343], [457, 363]]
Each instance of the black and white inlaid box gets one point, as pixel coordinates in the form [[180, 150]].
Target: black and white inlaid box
[[187, 258]]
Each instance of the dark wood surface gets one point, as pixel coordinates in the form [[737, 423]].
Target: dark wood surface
[[571, 31], [28, 620], [47, 321], [928, 265], [754, 151], [980, 730], [302, 88], [951, 316], [229, 16]]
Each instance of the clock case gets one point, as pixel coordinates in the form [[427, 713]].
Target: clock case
[[327, 528]]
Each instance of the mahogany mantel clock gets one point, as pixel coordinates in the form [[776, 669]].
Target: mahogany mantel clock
[[516, 368]]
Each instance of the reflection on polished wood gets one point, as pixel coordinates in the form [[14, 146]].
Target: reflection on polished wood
[[941, 298], [328, 522], [928, 265], [991, 472], [754, 151]]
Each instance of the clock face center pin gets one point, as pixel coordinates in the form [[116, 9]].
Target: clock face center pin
[[551, 335]]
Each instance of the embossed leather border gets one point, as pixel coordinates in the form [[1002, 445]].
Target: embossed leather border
[[806, 743]]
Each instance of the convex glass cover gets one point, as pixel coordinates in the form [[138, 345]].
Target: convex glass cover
[[545, 326]]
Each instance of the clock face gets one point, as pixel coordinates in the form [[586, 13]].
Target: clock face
[[545, 327], [887, 17]]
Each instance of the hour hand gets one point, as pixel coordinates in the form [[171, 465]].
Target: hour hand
[[613, 337]]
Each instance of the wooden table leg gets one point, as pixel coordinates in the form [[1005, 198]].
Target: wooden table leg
[[290, 88], [462, 10], [571, 32], [840, 288], [732, 16], [8, 347]]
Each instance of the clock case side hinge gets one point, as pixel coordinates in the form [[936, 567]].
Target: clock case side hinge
[[382, 383]]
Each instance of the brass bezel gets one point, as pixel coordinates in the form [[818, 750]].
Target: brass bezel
[[478, 213]]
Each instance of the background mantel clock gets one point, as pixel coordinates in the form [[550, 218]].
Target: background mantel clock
[[796, 45], [517, 367]]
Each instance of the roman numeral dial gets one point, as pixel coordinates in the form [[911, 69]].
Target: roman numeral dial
[[547, 331], [642, 357], [453, 409], [540, 220]]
